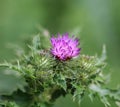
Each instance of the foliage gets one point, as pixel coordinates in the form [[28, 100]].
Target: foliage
[[39, 79]]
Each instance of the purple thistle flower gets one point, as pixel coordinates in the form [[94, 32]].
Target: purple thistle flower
[[64, 47]]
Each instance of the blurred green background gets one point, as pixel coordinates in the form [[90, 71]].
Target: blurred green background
[[97, 20]]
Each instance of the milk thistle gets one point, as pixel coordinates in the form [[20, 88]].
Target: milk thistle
[[41, 79]]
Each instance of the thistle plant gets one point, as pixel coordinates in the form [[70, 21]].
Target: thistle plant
[[55, 67]]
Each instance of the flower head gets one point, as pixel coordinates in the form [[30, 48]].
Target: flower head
[[64, 47]]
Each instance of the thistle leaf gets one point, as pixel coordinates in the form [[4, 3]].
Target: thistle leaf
[[11, 81]]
